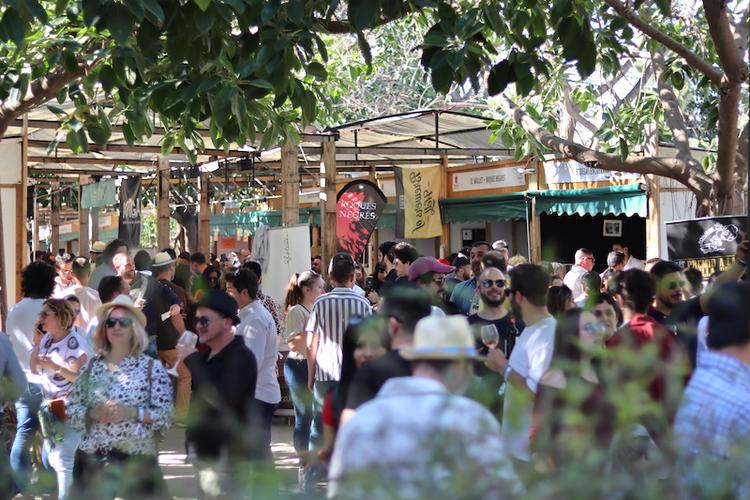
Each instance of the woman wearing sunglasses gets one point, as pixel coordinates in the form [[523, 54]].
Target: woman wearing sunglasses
[[57, 358], [212, 277], [571, 415], [120, 400]]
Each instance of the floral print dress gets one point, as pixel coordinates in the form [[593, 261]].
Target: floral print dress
[[127, 384]]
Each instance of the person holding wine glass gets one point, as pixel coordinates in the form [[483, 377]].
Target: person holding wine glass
[[57, 357], [120, 400], [498, 329]]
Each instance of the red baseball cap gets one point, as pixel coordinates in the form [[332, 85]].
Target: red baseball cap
[[425, 265]]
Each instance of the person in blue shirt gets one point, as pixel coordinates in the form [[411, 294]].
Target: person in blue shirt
[[463, 293]]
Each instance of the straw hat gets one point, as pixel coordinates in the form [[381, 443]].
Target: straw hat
[[125, 302], [98, 247], [442, 338], [162, 259]]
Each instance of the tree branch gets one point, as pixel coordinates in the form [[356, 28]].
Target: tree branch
[[674, 168], [342, 27], [721, 33], [690, 57], [575, 112], [673, 114], [41, 90]]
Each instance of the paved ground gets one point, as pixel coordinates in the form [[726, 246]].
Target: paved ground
[[180, 475]]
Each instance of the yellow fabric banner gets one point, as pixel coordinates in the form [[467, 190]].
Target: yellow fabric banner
[[421, 208]]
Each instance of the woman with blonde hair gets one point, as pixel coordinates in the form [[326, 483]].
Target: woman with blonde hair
[[304, 288], [57, 357], [121, 399]]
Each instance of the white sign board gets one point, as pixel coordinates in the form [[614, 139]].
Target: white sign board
[[559, 172], [66, 228], [288, 253], [500, 177], [105, 221], [388, 187]]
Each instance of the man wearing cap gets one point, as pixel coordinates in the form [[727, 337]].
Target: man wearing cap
[[419, 434], [224, 381], [169, 331], [403, 309], [429, 273]]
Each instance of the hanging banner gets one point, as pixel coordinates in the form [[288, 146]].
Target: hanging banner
[[358, 208], [565, 171], [130, 211], [418, 190], [705, 237], [98, 194]]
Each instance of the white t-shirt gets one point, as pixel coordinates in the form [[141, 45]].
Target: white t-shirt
[[90, 303], [22, 320], [69, 349], [634, 263], [530, 359], [573, 279]]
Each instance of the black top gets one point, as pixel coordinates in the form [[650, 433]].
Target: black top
[[223, 390], [507, 328], [683, 321], [372, 376]]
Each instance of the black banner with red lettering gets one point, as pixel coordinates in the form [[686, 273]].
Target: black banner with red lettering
[[358, 208], [130, 212]]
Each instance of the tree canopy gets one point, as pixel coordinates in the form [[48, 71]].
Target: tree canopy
[[250, 67]]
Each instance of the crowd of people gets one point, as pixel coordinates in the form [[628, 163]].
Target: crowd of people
[[476, 376]]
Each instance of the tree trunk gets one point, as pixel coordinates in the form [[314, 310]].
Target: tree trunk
[[188, 219]]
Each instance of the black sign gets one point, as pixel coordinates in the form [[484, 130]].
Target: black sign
[[130, 212], [704, 238], [358, 208]]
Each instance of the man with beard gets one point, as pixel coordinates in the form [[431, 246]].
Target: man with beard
[[530, 359], [491, 286], [463, 293]]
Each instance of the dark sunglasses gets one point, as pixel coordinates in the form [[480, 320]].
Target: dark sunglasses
[[204, 321], [489, 283], [439, 281], [213, 278], [123, 322]]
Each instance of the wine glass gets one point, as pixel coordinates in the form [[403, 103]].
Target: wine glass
[[490, 336], [187, 338]]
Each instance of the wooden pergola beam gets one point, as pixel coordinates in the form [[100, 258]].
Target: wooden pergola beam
[[124, 148], [77, 160], [407, 151], [54, 125]]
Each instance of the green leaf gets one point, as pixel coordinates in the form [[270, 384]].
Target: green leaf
[[203, 4], [623, 145], [261, 84], [12, 26], [296, 11], [56, 109], [120, 23], [168, 143], [665, 7], [317, 70], [500, 76], [364, 48], [362, 14], [107, 78], [678, 80], [153, 7]]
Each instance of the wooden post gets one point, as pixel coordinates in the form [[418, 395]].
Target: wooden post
[[55, 217], [488, 237], [444, 244], [328, 202], [22, 248], [653, 220], [162, 204], [83, 221], [35, 226], [204, 216], [94, 221], [290, 184], [534, 223]]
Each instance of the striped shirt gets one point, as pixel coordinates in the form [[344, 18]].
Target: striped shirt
[[329, 318]]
